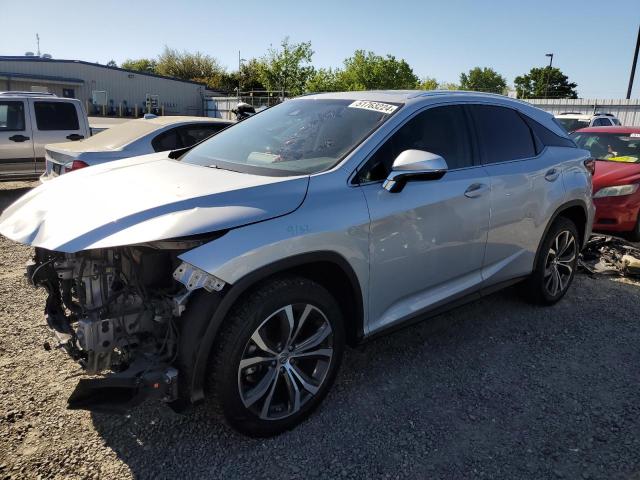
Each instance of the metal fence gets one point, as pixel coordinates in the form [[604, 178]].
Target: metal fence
[[220, 107], [628, 111]]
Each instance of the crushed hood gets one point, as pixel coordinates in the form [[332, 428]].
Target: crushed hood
[[143, 199]]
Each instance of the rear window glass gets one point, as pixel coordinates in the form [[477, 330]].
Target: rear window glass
[[609, 146], [56, 116], [11, 116], [502, 133]]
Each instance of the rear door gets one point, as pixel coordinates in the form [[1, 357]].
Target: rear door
[[525, 180], [16, 145], [54, 121]]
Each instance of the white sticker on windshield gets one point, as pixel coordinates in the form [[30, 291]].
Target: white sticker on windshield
[[375, 106], [635, 135]]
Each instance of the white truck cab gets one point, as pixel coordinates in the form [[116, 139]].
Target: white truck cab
[[28, 122]]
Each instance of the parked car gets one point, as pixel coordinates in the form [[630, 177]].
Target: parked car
[[617, 177], [130, 139], [29, 121], [572, 121], [236, 271]]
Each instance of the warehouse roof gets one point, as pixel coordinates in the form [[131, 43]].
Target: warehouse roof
[[31, 76], [21, 58]]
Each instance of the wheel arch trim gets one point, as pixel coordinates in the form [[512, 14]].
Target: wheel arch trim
[[563, 208], [198, 349]]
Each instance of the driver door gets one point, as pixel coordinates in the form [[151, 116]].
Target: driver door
[[427, 241]]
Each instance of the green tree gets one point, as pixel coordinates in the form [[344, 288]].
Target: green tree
[[250, 75], [483, 80], [366, 71], [546, 82], [197, 67], [112, 63], [288, 68], [428, 83], [147, 65], [325, 80], [449, 86]]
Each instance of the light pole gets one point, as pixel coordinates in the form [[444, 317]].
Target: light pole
[[240, 60], [633, 65], [546, 88]]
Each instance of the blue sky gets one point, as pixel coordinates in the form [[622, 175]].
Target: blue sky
[[592, 41]]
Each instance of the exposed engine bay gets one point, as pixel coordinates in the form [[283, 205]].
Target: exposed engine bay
[[114, 311]]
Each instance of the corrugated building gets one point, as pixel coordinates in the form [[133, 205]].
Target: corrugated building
[[115, 91]]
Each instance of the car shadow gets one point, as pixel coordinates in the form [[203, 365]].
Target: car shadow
[[424, 402], [8, 196]]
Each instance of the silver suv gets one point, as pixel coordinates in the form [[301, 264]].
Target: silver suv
[[236, 271]]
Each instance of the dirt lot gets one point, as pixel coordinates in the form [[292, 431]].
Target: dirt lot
[[496, 389]]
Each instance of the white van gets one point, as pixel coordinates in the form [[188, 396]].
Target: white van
[[28, 122]]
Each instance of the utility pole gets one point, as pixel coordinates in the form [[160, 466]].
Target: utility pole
[[633, 65], [38, 42], [546, 88]]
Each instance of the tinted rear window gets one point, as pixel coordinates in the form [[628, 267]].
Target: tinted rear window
[[56, 116], [502, 134]]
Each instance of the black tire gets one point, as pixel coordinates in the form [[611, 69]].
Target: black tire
[[634, 235], [263, 311], [539, 287]]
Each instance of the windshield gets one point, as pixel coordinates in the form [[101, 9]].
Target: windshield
[[624, 147], [572, 124], [300, 136]]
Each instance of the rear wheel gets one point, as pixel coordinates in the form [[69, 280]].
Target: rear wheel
[[277, 356], [556, 263]]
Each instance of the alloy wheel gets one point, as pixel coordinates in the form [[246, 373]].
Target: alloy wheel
[[285, 361], [560, 263]]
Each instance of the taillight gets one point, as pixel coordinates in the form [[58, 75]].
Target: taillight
[[590, 165], [75, 165]]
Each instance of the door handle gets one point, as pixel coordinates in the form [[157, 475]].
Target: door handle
[[74, 137], [475, 190], [18, 138], [552, 175]]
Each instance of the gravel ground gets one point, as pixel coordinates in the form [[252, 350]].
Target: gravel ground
[[495, 389]]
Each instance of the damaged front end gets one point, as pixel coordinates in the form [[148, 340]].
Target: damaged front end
[[116, 311]]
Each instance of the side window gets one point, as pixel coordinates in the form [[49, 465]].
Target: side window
[[439, 130], [56, 116], [502, 134], [192, 134], [546, 137], [169, 140], [11, 116], [615, 121]]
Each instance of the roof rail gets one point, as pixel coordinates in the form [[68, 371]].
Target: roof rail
[[34, 94], [572, 113], [604, 114]]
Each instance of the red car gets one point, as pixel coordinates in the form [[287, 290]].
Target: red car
[[616, 180]]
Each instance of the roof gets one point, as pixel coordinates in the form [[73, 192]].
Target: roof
[[50, 78], [405, 96], [616, 129], [119, 136], [56, 60]]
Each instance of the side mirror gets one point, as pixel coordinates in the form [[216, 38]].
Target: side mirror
[[413, 165]]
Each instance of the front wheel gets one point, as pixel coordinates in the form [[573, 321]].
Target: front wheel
[[277, 356], [634, 235], [556, 264]]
